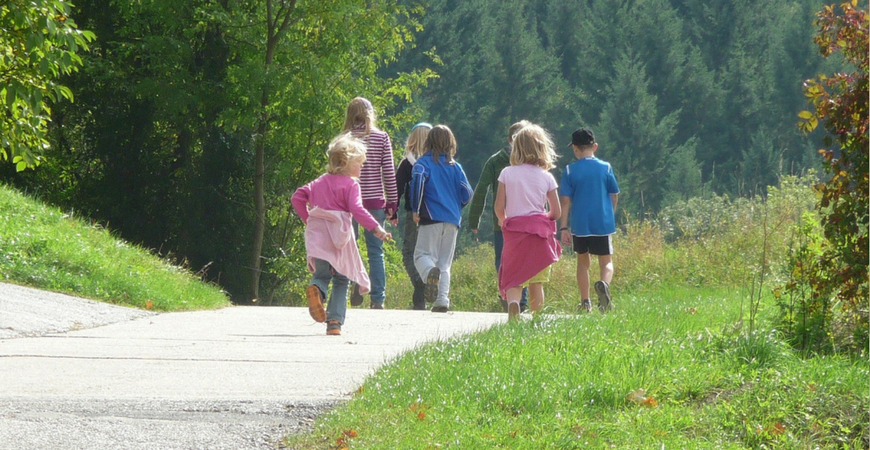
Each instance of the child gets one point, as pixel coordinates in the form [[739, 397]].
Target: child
[[439, 190], [488, 181], [378, 184], [329, 240], [590, 192], [530, 245], [413, 150]]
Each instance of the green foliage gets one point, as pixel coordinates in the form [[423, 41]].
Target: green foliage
[[39, 44], [662, 371], [663, 83], [44, 248], [840, 267]]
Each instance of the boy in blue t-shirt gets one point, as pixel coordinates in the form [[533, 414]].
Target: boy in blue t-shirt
[[589, 191]]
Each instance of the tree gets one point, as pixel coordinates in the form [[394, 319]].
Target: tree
[[295, 66], [840, 104], [38, 44]]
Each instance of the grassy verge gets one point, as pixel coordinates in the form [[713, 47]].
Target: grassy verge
[[670, 368], [44, 248]]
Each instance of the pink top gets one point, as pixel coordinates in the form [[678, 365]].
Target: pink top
[[333, 193], [526, 187]]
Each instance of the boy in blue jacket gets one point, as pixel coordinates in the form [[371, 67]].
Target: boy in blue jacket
[[439, 191]]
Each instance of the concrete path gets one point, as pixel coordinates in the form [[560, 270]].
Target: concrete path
[[239, 377]]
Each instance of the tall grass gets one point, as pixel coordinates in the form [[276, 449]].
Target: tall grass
[[674, 365], [42, 247], [667, 370]]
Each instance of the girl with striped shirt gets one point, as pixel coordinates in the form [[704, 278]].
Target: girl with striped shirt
[[379, 195]]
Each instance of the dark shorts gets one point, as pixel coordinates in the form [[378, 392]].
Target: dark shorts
[[596, 245]]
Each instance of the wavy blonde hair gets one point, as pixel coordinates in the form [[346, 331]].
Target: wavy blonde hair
[[360, 112], [415, 145], [533, 145], [344, 149]]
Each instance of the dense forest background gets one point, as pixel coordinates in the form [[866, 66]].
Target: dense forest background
[[194, 122]]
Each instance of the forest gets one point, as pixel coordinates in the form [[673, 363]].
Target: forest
[[186, 126]]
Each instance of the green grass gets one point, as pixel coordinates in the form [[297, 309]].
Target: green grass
[[42, 247], [670, 368]]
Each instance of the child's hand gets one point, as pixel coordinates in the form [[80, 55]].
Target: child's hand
[[382, 234], [565, 237], [416, 218]]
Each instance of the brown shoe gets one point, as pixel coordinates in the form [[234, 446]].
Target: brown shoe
[[356, 298], [315, 303], [333, 328]]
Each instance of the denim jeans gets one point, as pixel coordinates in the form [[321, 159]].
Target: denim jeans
[[498, 244], [375, 250], [323, 274]]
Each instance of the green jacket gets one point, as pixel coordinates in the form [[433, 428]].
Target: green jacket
[[488, 180]]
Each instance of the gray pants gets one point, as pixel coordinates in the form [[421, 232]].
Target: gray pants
[[435, 246]]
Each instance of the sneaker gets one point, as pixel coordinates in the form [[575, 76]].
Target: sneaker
[[440, 309], [315, 303], [376, 305], [513, 312], [585, 306], [333, 328], [356, 298], [603, 291], [431, 290]]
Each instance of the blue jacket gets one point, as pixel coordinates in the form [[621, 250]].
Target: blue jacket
[[439, 191]]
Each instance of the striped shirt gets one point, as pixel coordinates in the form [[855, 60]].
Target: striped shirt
[[378, 176]]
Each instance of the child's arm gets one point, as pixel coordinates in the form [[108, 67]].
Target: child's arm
[[465, 191], [614, 198], [418, 182], [478, 201], [555, 206], [500, 201], [299, 200], [564, 231]]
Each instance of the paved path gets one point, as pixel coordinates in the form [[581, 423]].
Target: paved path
[[239, 377]]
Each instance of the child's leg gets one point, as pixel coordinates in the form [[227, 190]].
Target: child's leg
[[321, 275], [444, 259], [514, 294], [583, 261], [536, 296], [425, 250], [337, 307], [605, 265], [409, 243]]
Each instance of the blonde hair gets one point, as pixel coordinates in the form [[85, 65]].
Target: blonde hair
[[344, 149], [533, 145], [516, 127], [415, 145], [441, 142], [360, 112]]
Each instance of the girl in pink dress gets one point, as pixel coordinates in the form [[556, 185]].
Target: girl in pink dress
[[527, 207]]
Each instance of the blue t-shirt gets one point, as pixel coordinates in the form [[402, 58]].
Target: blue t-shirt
[[589, 182]]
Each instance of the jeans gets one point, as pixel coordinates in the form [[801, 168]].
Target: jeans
[[375, 250], [498, 243], [323, 274]]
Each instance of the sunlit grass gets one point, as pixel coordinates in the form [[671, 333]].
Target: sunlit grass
[[42, 247], [672, 368]]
